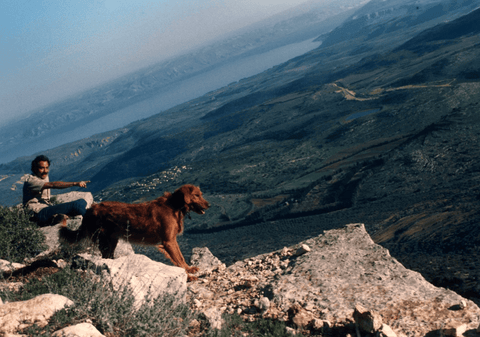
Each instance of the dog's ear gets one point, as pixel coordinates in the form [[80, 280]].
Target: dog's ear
[[187, 193], [182, 196]]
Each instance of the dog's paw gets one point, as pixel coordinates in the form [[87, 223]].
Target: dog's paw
[[192, 270]]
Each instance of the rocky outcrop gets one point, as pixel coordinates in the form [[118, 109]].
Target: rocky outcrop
[[340, 282], [320, 286], [78, 330], [15, 316], [146, 278]]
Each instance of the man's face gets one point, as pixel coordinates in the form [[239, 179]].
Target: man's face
[[42, 169]]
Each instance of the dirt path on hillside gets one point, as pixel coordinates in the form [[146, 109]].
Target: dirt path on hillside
[[375, 94]]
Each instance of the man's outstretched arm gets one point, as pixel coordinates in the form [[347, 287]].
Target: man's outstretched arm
[[62, 184]]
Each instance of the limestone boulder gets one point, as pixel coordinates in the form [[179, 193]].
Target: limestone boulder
[[145, 277], [324, 278], [78, 330], [75, 195], [204, 259], [15, 316], [7, 267]]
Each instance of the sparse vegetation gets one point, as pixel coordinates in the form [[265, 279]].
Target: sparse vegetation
[[19, 237], [111, 311]]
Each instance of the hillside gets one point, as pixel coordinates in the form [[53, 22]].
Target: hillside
[[356, 131]]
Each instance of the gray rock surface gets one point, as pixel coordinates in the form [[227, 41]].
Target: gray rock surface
[[145, 277], [204, 259], [8, 267], [343, 268], [341, 280], [75, 195], [78, 330], [19, 315]]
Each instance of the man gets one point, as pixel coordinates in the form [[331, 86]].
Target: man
[[36, 195]]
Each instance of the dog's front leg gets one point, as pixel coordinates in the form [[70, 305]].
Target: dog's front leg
[[177, 258], [162, 250]]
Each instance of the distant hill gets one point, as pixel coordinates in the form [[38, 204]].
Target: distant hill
[[380, 130], [51, 126]]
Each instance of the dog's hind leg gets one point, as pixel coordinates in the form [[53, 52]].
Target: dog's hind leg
[[107, 246]]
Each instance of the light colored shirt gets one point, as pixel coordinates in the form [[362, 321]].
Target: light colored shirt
[[34, 198]]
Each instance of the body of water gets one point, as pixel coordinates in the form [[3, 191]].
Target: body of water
[[179, 93]]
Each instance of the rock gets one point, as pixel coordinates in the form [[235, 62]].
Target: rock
[[7, 267], [286, 251], [344, 266], [454, 329], [264, 304], [303, 249], [124, 248], [204, 259], [60, 263], [146, 278], [291, 330], [386, 331], [78, 330], [320, 324], [214, 317], [367, 321], [16, 316], [299, 316], [11, 286], [75, 195]]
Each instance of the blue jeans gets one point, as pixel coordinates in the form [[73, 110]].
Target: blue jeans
[[77, 207]]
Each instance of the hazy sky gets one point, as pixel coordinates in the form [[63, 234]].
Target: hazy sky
[[53, 48]]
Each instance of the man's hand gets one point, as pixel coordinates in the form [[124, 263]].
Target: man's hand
[[83, 183]]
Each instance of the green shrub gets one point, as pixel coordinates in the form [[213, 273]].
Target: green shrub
[[19, 237]]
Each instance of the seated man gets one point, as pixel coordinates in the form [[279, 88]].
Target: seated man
[[36, 195]]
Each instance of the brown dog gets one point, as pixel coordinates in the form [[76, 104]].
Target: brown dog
[[156, 222]]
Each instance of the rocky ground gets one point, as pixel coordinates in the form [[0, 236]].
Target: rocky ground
[[316, 285], [339, 283]]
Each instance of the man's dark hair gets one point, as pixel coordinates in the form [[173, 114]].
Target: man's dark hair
[[37, 160]]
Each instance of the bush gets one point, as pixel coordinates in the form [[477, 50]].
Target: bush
[[19, 237]]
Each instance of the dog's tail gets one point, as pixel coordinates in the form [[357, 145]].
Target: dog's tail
[[73, 236], [68, 235]]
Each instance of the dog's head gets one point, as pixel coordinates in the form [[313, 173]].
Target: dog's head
[[192, 199]]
